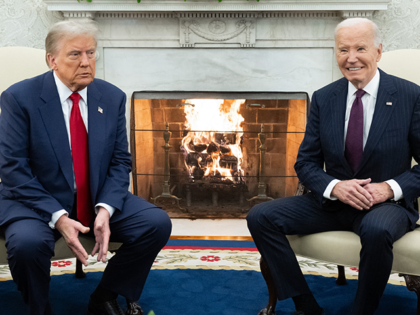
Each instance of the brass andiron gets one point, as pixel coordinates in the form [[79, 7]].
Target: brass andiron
[[261, 184], [165, 187]]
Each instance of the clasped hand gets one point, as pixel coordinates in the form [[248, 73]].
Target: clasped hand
[[70, 229], [361, 194]]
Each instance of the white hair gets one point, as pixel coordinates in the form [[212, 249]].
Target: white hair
[[377, 40], [68, 29]]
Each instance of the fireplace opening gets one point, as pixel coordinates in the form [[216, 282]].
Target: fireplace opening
[[215, 154]]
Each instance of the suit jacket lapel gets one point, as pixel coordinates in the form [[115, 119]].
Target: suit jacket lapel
[[381, 115], [338, 108], [97, 112], [53, 118]]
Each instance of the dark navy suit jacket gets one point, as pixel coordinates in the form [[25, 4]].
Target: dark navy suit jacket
[[394, 138], [35, 157]]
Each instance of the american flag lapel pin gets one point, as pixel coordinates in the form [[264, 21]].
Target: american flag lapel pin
[[389, 103], [102, 111]]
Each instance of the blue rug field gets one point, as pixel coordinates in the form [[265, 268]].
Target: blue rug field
[[206, 292]]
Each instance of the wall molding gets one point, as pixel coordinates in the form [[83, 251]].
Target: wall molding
[[225, 15], [211, 5]]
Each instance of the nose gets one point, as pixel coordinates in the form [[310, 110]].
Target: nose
[[352, 56], [84, 62]]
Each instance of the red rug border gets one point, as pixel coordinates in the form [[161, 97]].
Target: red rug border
[[251, 249]]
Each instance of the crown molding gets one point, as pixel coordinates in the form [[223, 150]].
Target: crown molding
[[355, 7]]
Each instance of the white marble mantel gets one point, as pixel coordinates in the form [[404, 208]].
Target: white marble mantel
[[204, 45]]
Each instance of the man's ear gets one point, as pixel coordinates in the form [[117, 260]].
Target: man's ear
[[378, 58], [51, 61]]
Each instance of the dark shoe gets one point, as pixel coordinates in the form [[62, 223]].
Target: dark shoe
[[105, 308], [302, 313], [133, 309]]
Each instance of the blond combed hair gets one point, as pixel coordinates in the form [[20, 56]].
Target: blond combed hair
[[68, 29]]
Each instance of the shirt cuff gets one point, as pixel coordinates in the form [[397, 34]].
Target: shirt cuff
[[110, 209], [330, 187], [55, 216], [398, 194]]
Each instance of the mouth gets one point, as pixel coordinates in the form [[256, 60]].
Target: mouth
[[354, 69]]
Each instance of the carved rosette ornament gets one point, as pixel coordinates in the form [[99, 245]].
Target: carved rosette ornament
[[217, 27], [217, 32]]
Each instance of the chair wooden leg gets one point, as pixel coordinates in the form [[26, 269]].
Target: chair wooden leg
[[80, 274], [413, 284], [272, 293], [341, 279]]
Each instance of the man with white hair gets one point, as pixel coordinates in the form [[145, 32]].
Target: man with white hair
[[365, 130], [64, 169]]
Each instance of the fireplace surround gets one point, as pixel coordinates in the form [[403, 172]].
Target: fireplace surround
[[268, 46]]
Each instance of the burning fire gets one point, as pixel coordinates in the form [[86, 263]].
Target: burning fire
[[212, 147]]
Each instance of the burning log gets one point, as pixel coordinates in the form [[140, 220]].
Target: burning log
[[213, 147], [200, 147], [225, 149]]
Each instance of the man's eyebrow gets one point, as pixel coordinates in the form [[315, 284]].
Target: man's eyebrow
[[79, 51], [74, 51]]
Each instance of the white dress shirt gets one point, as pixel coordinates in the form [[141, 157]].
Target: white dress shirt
[[369, 101], [66, 103]]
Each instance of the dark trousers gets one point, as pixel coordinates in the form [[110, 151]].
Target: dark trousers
[[30, 246], [378, 228]]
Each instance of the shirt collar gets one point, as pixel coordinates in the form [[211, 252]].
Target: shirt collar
[[64, 92], [371, 88]]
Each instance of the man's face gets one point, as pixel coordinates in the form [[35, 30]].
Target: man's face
[[74, 63], [356, 53]]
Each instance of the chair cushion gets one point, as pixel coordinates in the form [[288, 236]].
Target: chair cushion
[[61, 249], [343, 248]]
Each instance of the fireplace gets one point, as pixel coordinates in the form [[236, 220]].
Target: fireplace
[[215, 154], [204, 45]]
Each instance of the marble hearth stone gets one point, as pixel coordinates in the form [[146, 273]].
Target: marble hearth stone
[[203, 227]]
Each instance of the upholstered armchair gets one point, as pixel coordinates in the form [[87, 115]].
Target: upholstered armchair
[[343, 248]]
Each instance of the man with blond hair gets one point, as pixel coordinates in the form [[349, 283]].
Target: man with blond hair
[[362, 133], [64, 168]]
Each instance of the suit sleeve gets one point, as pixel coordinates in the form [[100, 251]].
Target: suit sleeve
[[310, 160], [17, 179], [115, 187], [409, 181]]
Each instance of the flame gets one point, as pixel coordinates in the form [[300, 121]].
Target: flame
[[207, 119]]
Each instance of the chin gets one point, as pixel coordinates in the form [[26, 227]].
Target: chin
[[354, 77], [85, 82]]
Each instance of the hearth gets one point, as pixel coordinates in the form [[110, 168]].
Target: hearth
[[215, 154]]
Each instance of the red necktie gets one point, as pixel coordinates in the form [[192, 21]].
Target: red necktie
[[354, 138], [80, 152]]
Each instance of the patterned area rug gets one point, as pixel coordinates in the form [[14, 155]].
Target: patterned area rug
[[183, 255]]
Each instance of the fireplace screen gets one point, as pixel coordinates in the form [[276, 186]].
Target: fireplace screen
[[215, 154]]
